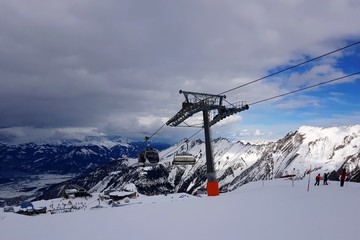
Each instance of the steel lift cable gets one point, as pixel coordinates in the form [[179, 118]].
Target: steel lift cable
[[278, 72], [294, 66], [305, 88]]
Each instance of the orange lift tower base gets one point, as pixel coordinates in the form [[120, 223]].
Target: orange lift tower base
[[212, 188]]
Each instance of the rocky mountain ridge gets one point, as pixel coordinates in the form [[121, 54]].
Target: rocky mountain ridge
[[308, 150]]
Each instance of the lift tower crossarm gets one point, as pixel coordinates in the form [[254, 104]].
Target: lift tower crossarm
[[228, 111], [194, 103], [205, 97]]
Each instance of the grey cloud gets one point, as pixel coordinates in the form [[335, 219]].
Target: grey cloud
[[103, 64]]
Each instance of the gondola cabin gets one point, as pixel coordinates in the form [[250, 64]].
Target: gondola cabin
[[149, 156], [183, 158]]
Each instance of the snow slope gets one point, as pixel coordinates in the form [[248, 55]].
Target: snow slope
[[271, 209]]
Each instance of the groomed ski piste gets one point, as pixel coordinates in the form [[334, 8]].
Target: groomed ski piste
[[272, 210]]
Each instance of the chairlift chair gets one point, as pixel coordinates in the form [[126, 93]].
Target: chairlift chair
[[183, 158]]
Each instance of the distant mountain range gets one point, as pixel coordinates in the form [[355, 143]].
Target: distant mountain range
[[68, 156], [309, 149]]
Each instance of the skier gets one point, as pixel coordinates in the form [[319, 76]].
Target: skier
[[317, 180], [325, 178], [343, 176]]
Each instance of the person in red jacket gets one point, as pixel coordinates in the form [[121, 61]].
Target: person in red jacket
[[317, 180], [343, 176]]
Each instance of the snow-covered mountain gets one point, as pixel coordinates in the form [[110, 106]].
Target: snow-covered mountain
[[67, 156], [26, 168], [312, 149]]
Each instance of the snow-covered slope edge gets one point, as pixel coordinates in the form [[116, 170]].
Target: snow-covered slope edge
[[261, 210]]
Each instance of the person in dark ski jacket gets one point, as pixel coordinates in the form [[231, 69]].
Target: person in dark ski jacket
[[343, 176], [317, 180], [325, 178]]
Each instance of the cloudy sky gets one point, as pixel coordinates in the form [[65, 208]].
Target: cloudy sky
[[74, 68]]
